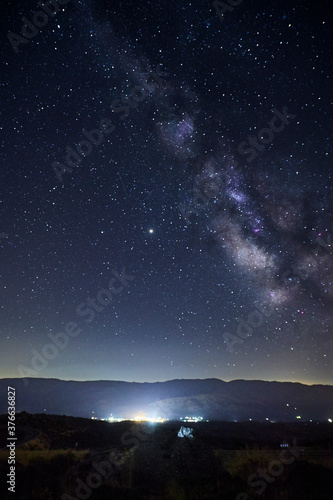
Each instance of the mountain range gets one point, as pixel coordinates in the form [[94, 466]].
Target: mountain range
[[212, 399]]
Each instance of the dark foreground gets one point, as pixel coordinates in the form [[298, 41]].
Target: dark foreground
[[59, 457]]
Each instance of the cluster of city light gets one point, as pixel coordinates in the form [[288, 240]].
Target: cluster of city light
[[193, 419], [160, 420], [153, 420], [137, 418], [114, 419], [142, 418]]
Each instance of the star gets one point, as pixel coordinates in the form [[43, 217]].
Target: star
[[174, 172]]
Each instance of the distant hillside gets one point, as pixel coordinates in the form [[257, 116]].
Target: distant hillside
[[209, 398]]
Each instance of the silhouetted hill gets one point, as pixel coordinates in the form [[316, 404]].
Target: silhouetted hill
[[209, 398]]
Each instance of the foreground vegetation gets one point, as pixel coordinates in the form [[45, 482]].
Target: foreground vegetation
[[73, 458]]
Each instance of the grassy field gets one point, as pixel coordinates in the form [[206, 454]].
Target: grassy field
[[27, 457], [134, 461]]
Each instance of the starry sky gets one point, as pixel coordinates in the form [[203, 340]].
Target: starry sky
[[165, 190]]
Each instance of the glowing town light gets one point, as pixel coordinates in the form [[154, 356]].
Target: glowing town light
[[141, 418], [192, 419]]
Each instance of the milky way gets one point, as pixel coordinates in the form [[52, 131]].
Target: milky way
[[208, 178]]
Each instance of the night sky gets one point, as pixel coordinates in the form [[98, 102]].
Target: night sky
[[203, 196]]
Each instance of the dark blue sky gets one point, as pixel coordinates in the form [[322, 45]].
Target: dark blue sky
[[208, 180]]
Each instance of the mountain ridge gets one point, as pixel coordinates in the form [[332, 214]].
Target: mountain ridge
[[211, 398]]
